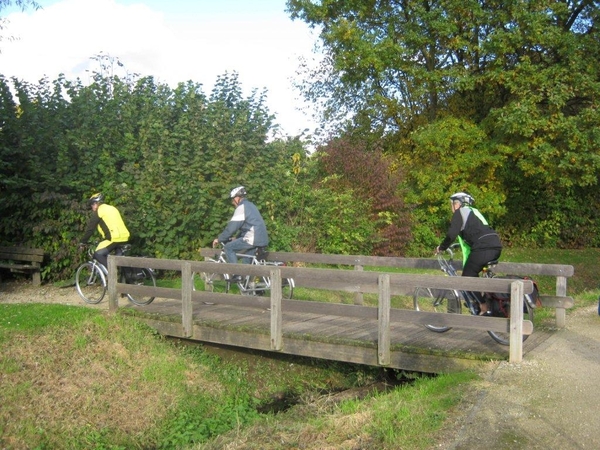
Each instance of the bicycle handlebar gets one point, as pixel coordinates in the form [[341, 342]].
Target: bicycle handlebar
[[450, 251]]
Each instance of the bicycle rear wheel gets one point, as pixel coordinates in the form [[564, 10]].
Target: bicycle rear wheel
[[502, 309], [90, 283], [438, 301], [140, 277]]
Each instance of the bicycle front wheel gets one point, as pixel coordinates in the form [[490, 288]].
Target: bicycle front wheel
[[287, 288], [90, 283], [504, 338], [438, 301], [212, 282], [140, 277]]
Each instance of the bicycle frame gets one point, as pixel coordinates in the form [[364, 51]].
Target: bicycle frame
[[128, 275], [125, 272], [467, 296], [250, 284], [426, 299]]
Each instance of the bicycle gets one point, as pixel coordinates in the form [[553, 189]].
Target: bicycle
[[247, 285], [91, 278], [452, 301]]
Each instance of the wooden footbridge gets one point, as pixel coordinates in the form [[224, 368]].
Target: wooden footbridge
[[378, 335]]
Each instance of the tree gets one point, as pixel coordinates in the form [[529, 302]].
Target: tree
[[166, 157], [524, 73], [389, 64], [22, 4], [354, 168]]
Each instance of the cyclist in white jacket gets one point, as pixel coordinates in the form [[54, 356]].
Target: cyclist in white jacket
[[246, 227]]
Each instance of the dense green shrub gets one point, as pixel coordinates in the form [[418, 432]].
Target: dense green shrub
[[167, 158]]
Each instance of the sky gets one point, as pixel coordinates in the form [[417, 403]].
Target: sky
[[172, 40]]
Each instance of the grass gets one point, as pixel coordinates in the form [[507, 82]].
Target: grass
[[79, 378], [585, 261], [405, 417]]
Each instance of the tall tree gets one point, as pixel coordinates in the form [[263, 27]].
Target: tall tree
[[22, 4], [166, 157], [524, 73], [365, 173]]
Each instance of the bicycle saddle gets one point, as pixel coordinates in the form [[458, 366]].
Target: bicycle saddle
[[122, 249]]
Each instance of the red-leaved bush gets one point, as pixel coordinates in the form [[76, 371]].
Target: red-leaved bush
[[369, 174]]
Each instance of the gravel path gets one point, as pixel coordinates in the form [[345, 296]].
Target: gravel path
[[25, 292], [550, 401]]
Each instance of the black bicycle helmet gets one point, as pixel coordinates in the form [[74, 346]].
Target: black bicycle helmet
[[239, 191], [96, 198], [463, 198]]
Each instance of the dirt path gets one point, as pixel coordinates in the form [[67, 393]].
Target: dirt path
[[25, 292], [550, 401]]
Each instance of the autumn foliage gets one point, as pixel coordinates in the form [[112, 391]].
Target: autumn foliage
[[369, 175]]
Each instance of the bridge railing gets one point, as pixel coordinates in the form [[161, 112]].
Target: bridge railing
[[560, 301], [385, 285]]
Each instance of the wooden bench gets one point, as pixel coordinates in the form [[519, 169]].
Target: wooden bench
[[23, 260]]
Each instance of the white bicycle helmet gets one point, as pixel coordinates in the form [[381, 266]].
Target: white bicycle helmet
[[463, 198], [239, 191]]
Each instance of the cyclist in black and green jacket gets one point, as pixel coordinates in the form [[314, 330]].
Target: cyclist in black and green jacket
[[479, 242]]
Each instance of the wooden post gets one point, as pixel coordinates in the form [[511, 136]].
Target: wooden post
[[276, 313], [358, 296], [383, 341], [37, 275], [561, 313], [186, 300], [516, 322], [113, 300]]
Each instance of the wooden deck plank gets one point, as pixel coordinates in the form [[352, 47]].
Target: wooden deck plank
[[326, 336], [308, 323], [329, 325], [359, 329]]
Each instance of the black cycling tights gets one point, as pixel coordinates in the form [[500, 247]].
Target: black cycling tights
[[476, 261], [102, 254]]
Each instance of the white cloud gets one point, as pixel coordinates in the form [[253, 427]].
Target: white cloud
[[262, 47]]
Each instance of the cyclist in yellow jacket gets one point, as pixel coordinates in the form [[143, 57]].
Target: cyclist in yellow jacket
[[107, 219]]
